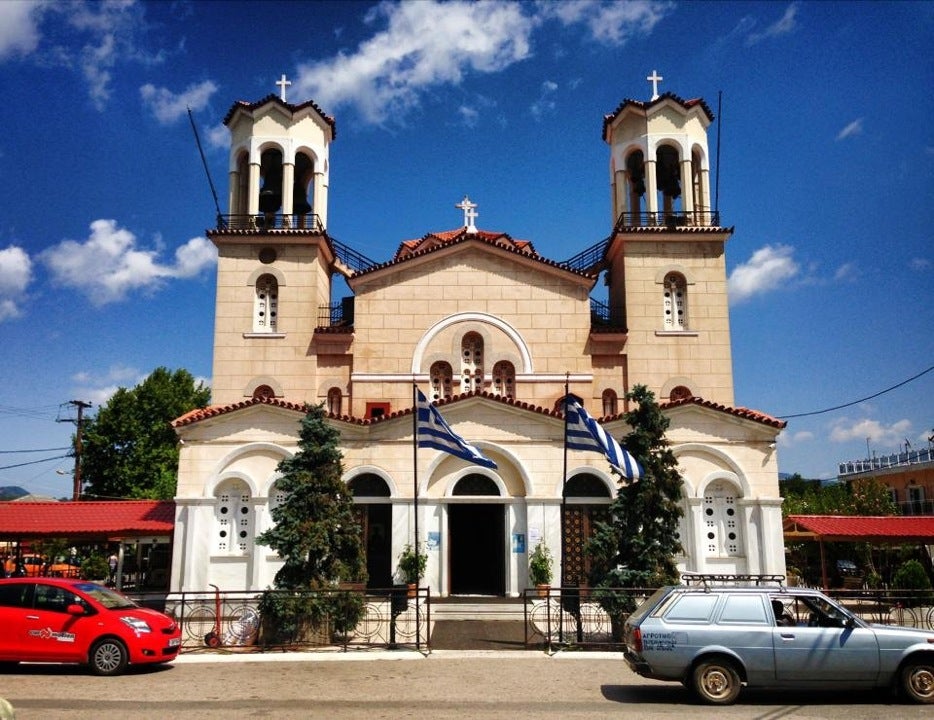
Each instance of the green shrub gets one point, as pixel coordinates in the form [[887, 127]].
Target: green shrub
[[95, 567]]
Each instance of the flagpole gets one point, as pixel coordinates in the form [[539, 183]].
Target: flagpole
[[564, 480], [415, 498]]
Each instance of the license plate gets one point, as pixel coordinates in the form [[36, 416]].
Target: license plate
[[175, 642]]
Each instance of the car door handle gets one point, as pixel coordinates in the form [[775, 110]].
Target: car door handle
[[787, 636]]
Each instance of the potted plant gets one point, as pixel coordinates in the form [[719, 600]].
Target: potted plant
[[540, 568], [412, 567]]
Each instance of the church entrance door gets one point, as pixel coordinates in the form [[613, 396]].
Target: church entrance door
[[477, 541]]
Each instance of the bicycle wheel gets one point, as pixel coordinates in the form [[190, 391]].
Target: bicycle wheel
[[902, 616]]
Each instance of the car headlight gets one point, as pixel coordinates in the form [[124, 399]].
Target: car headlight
[[137, 624]]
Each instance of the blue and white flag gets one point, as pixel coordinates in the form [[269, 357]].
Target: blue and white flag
[[584, 433], [434, 432]]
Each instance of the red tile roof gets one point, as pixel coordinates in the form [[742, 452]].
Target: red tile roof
[[432, 242], [111, 519], [853, 528], [218, 410], [289, 107]]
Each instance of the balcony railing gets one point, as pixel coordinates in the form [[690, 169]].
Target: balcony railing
[[915, 507], [672, 219], [911, 457], [606, 317], [272, 221]]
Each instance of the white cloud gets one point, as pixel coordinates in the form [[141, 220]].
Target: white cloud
[[852, 130], [545, 102], [920, 264], [788, 439], [611, 23], [97, 389], [767, 269], [469, 115], [19, 27], [169, 107], [425, 44], [782, 26], [886, 436], [219, 136], [846, 273], [108, 265], [15, 276], [428, 44]]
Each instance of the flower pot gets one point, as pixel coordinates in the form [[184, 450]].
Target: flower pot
[[542, 590], [411, 590]]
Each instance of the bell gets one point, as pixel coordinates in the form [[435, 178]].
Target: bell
[[300, 204], [270, 197]]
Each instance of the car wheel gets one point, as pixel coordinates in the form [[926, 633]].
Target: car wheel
[[716, 682], [918, 681], [108, 657]]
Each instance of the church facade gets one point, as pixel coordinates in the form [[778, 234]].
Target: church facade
[[492, 332]]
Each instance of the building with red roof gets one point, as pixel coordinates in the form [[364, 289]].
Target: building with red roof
[[495, 335]]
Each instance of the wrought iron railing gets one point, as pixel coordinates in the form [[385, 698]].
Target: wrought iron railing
[[910, 457], [671, 219], [605, 317], [271, 221]]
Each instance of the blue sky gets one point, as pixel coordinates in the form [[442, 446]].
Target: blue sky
[[826, 171]]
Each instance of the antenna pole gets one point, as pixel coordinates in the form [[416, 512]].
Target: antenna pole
[[205, 163]]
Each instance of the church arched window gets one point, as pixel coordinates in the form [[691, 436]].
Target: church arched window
[[334, 401], [722, 530], [680, 392], [264, 392], [504, 379], [610, 403], [233, 519], [442, 377], [471, 362], [674, 302], [265, 304]]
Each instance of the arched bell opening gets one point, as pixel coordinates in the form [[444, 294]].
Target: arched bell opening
[[635, 180], [240, 188], [270, 170], [668, 170], [701, 188], [304, 173]]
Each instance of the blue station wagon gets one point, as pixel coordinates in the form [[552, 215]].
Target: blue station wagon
[[714, 638]]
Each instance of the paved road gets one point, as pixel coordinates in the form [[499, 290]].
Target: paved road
[[444, 686]]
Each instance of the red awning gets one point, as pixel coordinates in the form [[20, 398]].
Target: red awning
[[109, 519], [860, 528]]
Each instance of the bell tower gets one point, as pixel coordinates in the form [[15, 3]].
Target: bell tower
[[275, 259], [666, 266]]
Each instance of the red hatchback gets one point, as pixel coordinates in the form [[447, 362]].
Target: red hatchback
[[74, 621]]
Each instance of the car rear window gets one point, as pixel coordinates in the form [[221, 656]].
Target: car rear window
[[692, 608], [744, 609]]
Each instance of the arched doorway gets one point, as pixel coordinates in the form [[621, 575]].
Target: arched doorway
[[477, 539], [375, 518]]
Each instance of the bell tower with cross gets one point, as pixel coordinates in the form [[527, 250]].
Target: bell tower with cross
[[275, 260], [665, 259]]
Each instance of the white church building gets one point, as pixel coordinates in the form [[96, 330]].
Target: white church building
[[488, 329]]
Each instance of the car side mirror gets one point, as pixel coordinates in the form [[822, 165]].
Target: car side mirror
[[849, 623], [75, 609]]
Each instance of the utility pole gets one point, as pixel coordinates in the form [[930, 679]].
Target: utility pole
[[79, 422]]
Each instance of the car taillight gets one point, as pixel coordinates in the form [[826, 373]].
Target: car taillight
[[637, 640]]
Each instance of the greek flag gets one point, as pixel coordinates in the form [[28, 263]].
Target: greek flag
[[433, 432], [583, 433]]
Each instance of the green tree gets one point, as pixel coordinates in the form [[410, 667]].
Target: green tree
[[316, 532], [317, 535], [129, 449], [636, 546]]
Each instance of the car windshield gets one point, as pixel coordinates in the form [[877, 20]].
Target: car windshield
[[110, 599]]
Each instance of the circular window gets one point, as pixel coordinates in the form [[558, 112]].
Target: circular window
[[267, 255]]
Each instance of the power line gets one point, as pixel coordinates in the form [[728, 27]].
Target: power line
[[33, 462], [13, 452], [856, 402]]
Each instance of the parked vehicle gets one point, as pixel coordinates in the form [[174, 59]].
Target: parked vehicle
[[25, 566], [73, 621], [715, 638], [67, 566]]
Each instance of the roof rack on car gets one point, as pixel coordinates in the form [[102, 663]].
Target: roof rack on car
[[708, 579]]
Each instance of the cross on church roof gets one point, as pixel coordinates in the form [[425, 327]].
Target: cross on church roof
[[283, 84], [654, 78], [470, 213]]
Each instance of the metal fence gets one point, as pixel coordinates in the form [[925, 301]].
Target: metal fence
[[559, 618]]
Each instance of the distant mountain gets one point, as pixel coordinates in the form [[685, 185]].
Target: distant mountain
[[12, 492]]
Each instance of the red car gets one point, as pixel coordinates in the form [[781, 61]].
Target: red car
[[74, 621]]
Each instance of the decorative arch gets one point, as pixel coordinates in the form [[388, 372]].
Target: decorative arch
[[479, 471], [259, 380], [234, 516], [587, 470], [372, 470], [671, 383], [686, 272], [674, 302], [718, 457], [484, 318], [221, 472], [610, 402], [266, 270]]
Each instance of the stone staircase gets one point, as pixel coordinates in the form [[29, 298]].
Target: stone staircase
[[476, 608]]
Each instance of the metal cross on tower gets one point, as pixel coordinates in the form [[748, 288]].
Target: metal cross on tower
[[283, 84], [654, 78], [470, 213]]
